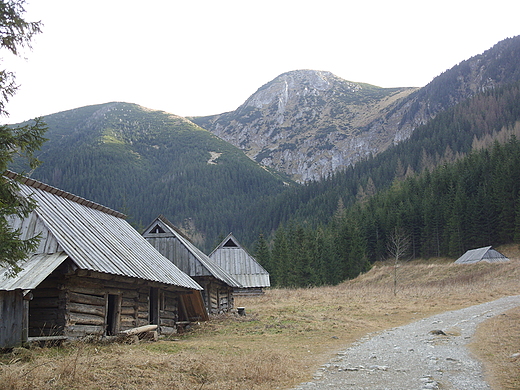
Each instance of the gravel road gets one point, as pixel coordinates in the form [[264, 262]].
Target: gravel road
[[427, 354]]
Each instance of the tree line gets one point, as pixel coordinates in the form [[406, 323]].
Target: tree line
[[471, 203], [451, 187]]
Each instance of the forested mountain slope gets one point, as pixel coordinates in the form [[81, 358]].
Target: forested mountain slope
[[309, 123], [474, 123], [145, 163], [453, 186]]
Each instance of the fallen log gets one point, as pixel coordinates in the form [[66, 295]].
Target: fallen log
[[140, 329]]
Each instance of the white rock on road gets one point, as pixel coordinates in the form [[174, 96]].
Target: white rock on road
[[427, 354]]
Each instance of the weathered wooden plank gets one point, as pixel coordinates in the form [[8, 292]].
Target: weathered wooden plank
[[169, 315], [128, 310], [167, 322], [85, 319], [142, 321], [130, 302], [86, 309], [140, 329], [11, 317], [87, 299], [87, 289], [127, 325], [47, 338], [83, 330]]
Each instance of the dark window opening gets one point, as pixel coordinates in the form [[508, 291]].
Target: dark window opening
[[230, 244], [157, 229]]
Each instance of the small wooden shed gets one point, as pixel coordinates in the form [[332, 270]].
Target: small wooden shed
[[486, 253], [218, 284], [232, 257], [92, 274]]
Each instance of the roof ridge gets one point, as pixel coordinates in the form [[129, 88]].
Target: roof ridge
[[64, 194]]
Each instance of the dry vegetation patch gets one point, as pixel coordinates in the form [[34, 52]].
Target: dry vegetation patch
[[285, 335], [498, 346]]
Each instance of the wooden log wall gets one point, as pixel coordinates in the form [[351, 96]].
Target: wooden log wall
[[168, 312], [218, 297], [11, 318], [88, 304], [47, 306], [143, 308], [75, 304]]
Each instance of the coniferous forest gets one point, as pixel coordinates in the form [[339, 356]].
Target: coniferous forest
[[453, 186]]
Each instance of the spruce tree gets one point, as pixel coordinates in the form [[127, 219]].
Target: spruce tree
[[15, 34]]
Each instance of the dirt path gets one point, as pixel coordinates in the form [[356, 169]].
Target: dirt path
[[427, 354]]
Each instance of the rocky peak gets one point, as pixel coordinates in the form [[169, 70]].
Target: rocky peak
[[310, 123], [300, 121]]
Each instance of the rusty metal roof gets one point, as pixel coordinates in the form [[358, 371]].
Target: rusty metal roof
[[232, 257], [97, 238]]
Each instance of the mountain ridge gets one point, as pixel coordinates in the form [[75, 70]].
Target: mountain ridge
[[279, 125], [281, 128]]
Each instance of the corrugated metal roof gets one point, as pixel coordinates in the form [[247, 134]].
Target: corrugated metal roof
[[98, 239], [481, 254], [34, 271], [172, 231], [230, 255]]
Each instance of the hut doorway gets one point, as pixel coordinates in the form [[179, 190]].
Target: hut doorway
[[154, 306], [113, 314]]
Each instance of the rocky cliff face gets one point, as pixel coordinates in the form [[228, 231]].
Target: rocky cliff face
[[310, 123]]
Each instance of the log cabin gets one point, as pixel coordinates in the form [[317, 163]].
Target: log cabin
[[218, 284], [92, 274], [233, 258]]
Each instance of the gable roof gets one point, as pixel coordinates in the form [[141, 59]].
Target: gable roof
[[481, 254], [230, 255], [162, 228], [93, 236]]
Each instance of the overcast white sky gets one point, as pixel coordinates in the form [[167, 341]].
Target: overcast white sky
[[202, 57]]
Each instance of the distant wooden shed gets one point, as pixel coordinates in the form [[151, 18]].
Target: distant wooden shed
[[218, 284], [92, 274], [482, 254], [232, 257]]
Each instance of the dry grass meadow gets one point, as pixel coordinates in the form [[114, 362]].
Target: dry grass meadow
[[286, 334]]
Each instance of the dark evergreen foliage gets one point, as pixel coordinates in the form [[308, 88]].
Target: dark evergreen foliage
[[146, 163], [457, 203]]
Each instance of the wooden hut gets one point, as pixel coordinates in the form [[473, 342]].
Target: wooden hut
[[218, 284], [92, 274], [232, 257], [486, 253]]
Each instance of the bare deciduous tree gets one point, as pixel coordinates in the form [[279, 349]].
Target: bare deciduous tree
[[398, 246]]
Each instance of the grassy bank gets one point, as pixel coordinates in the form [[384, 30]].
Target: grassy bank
[[285, 336]]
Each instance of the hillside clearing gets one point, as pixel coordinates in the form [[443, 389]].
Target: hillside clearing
[[285, 335]]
